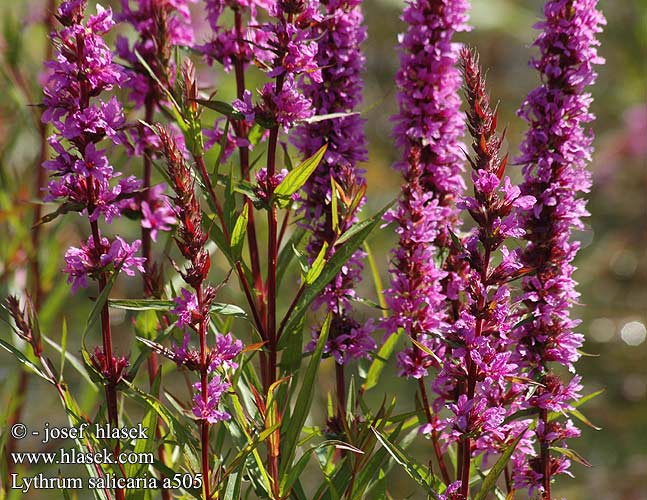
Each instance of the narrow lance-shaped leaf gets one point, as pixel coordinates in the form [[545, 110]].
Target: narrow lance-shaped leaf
[[238, 234], [221, 107], [24, 360], [413, 469], [317, 265], [67, 356], [167, 305], [380, 360], [286, 255], [573, 455], [297, 177]]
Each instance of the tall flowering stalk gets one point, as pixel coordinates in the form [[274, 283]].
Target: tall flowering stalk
[[81, 173], [478, 381], [193, 307], [236, 47], [428, 129], [554, 155], [339, 37], [292, 49], [292, 52], [161, 25]]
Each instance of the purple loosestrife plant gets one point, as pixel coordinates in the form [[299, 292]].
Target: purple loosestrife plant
[[478, 381], [427, 131], [339, 38], [484, 311], [81, 173], [554, 155]]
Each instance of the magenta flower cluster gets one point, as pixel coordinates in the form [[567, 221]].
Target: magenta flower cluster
[[160, 25], [288, 53], [220, 362], [484, 312], [82, 176]]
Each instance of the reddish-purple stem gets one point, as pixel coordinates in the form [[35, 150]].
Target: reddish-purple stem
[[204, 382], [241, 132], [434, 432]]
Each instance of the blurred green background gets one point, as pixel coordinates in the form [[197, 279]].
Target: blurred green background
[[612, 266]]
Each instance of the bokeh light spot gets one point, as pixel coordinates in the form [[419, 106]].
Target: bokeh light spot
[[633, 333]]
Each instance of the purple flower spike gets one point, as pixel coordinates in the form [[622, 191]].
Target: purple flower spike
[[161, 25], [428, 128], [554, 155], [81, 172]]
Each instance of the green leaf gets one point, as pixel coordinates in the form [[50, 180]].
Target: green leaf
[[292, 427], [413, 469], [253, 445], [588, 397], [167, 305], [242, 420], [229, 207], [380, 360], [99, 303], [490, 480], [334, 209], [221, 152], [377, 281], [255, 134], [176, 109], [360, 227], [367, 471], [146, 445], [221, 107], [177, 430], [74, 361], [234, 484], [297, 177], [576, 404], [146, 324], [583, 418], [238, 234], [221, 242], [427, 351], [66, 207], [330, 270], [317, 265], [291, 477]]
